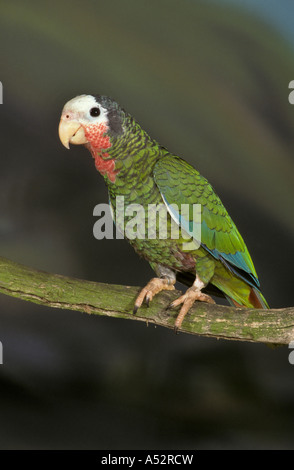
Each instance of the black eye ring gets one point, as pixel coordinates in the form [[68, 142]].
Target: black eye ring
[[94, 112]]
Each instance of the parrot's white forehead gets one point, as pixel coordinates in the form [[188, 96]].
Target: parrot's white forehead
[[82, 104]]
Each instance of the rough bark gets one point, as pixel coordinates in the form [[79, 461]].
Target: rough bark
[[275, 326]]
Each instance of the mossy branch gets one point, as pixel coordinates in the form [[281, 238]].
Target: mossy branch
[[274, 326]]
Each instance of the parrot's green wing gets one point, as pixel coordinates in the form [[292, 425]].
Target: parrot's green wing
[[179, 183]]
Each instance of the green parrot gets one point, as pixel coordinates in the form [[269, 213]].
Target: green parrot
[[139, 171]]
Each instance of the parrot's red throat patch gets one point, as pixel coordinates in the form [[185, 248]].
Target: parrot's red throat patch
[[96, 134], [99, 142], [106, 167]]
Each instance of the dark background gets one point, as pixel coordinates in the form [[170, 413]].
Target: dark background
[[209, 80]]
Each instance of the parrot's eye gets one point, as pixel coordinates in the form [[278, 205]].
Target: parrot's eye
[[94, 112]]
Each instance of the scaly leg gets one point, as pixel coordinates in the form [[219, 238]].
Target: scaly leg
[[188, 299], [166, 281]]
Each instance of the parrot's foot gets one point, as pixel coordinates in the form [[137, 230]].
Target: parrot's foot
[[188, 299], [153, 287]]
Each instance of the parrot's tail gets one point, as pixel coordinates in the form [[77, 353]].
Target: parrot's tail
[[249, 297], [255, 299]]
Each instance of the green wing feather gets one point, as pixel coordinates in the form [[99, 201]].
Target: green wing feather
[[179, 183]]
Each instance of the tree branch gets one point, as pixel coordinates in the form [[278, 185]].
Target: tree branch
[[274, 326]]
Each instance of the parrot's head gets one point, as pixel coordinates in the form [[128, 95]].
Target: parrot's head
[[92, 120]]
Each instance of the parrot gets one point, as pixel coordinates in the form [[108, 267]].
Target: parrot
[[138, 169]]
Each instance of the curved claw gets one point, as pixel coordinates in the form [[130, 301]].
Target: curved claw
[[135, 309], [153, 287], [172, 304], [188, 299], [176, 330]]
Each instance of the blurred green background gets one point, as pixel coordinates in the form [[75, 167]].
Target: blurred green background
[[209, 80]]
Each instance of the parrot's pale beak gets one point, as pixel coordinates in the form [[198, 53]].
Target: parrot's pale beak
[[71, 132]]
